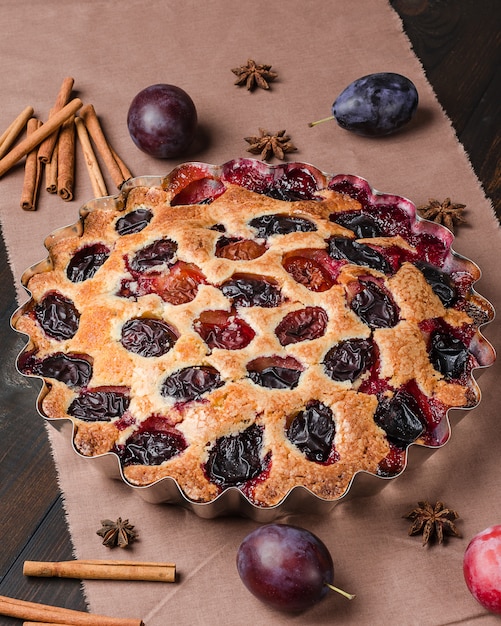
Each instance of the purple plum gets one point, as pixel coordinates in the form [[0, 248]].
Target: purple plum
[[162, 121], [375, 105]]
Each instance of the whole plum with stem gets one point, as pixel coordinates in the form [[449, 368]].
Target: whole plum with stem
[[376, 104], [162, 121], [286, 567]]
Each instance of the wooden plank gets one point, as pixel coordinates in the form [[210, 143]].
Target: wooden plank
[[27, 474], [482, 139], [458, 45], [31, 514], [50, 541]]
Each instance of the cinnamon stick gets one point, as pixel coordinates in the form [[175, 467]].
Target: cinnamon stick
[[25, 146], [13, 130], [32, 171], [93, 169], [88, 114], [126, 174], [63, 96], [51, 174], [45, 613], [103, 570], [44, 624], [66, 159]]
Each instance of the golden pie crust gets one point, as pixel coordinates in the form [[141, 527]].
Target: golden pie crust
[[359, 442]]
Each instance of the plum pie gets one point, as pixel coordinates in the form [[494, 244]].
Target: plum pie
[[253, 326]]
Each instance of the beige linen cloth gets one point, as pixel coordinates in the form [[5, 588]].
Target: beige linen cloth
[[114, 49]]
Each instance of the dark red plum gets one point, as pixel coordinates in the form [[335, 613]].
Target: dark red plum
[[99, 405], [246, 290], [348, 359], [302, 325], [286, 567], [448, 355], [482, 568], [162, 121], [86, 261], [235, 459], [147, 337], [400, 417], [374, 306], [58, 316], [190, 383], [312, 431]]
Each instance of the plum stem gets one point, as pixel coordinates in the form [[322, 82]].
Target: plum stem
[[350, 596], [325, 119]]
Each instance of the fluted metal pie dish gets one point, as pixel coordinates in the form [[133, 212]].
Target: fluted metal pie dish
[[253, 339]]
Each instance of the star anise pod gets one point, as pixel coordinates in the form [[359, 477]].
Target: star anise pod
[[119, 533], [268, 145], [253, 75], [447, 213], [433, 521]]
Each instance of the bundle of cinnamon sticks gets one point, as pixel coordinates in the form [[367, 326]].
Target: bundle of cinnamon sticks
[[52, 146]]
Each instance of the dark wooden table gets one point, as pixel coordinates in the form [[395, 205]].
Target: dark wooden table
[[457, 42]]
